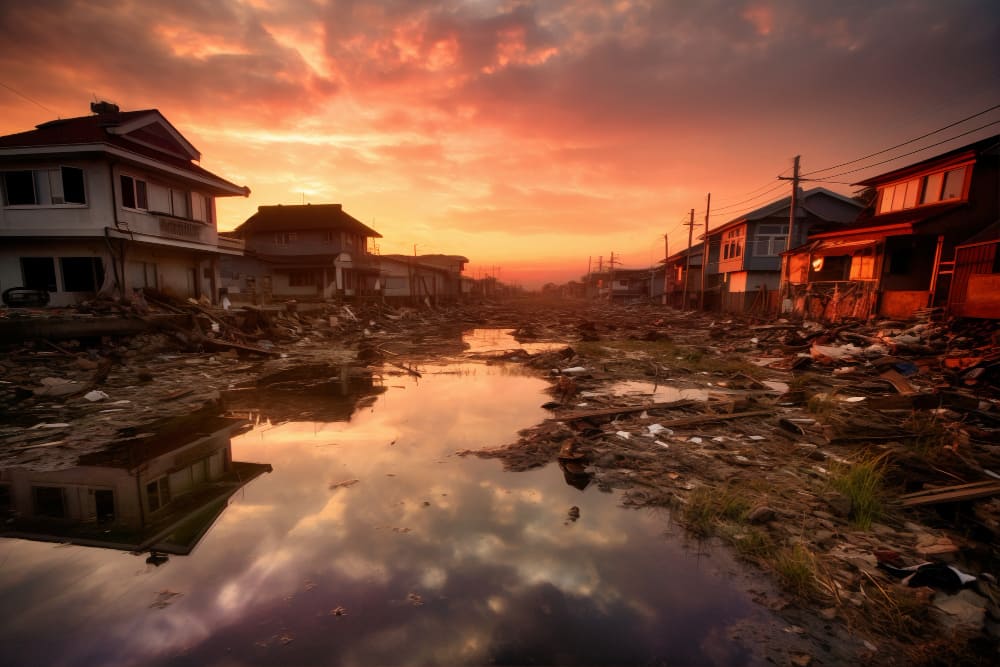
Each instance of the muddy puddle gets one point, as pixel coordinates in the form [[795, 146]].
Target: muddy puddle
[[358, 538]]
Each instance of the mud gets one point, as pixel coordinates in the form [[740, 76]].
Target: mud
[[767, 418]]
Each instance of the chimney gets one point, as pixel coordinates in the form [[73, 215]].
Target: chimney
[[103, 107]]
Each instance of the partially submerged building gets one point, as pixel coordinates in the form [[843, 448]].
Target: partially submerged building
[[109, 203]]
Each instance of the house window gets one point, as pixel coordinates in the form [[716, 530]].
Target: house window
[[199, 207], [158, 493], [134, 193], [81, 274], [39, 273], [303, 278], [329, 237], [924, 190], [179, 204], [770, 240], [44, 187], [49, 501], [863, 265], [284, 238], [732, 243], [19, 188]]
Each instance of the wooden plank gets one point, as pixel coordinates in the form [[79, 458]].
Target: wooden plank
[[901, 384], [623, 410], [953, 494], [952, 487]]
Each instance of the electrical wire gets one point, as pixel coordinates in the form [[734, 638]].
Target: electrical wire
[[902, 155], [33, 101], [905, 143]]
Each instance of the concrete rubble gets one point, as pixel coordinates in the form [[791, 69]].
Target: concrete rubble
[[754, 433]]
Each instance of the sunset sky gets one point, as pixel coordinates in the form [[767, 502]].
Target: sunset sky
[[528, 136]]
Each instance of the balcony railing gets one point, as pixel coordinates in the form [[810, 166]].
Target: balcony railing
[[176, 228]]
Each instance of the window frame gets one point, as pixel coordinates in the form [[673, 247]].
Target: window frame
[[138, 193], [53, 194]]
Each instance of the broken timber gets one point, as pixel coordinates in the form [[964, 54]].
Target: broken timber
[[951, 494], [681, 421]]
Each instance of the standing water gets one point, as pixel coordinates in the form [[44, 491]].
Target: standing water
[[367, 541]]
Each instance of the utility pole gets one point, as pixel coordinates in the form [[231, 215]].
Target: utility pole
[[586, 282], [687, 263], [666, 272], [611, 277], [704, 255], [784, 289]]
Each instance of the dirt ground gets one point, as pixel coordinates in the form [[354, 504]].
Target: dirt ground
[[829, 459]]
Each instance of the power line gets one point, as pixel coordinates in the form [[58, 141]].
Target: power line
[[769, 184], [33, 101], [745, 201], [905, 143], [919, 150]]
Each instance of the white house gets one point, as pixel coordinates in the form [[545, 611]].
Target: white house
[[108, 203]]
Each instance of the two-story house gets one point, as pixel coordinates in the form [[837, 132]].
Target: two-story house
[[900, 255], [108, 203], [309, 251], [744, 258]]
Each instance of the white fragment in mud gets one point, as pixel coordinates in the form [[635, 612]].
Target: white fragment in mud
[[124, 401], [853, 399], [53, 425], [589, 394], [695, 439], [821, 470], [644, 415], [756, 437], [624, 435], [719, 438], [741, 458], [661, 444], [574, 370], [656, 429], [96, 395]]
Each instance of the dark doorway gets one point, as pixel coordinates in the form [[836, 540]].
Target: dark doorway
[[104, 502]]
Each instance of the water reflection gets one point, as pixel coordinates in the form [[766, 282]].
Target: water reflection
[[154, 493], [428, 558]]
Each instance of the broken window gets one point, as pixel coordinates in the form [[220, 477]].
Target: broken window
[[38, 273], [81, 274]]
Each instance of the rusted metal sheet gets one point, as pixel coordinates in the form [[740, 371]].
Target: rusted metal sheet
[[975, 289], [902, 303]]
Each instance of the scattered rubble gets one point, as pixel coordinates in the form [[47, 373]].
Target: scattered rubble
[[809, 450]]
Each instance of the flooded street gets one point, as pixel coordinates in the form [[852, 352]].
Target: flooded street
[[371, 542]]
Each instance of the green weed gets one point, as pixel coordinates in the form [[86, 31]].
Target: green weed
[[862, 482]]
